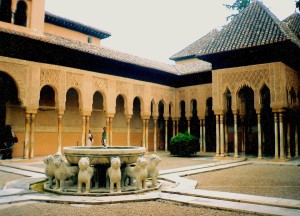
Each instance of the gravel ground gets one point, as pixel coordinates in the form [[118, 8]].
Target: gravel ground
[[250, 179], [154, 208], [254, 179]]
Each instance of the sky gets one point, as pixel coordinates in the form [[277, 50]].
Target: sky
[[154, 29]]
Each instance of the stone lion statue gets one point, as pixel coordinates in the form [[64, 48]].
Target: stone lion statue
[[152, 168], [62, 172], [113, 175], [85, 175], [138, 172], [49, 169]]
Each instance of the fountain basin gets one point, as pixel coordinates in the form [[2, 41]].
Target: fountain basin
[[101, 155]]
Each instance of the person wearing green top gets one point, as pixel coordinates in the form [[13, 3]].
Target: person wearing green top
[[104, 137]]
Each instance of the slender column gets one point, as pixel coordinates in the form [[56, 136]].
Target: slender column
[[83, 130], [174, 127], [107, 132], [236, 141], [144, 133], [128, 131], [155, 134], [226, 138], [276, 135], [87, 128], [221, 136], [32, 126], [189, 126], [288, 140], [217, 136], [147, 134], [259, 156], [281, 135], [203, 136], [200, 137], [243, 135], [296, 141], [27, 135], [166, 134], [177, 126], [110, 130], [59, 132]]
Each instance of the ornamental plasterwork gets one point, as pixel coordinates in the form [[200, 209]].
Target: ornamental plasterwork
[[122, 88], [74, 80], [49, 76], [292, 79], [181, 95], [138, 90], [237, 79], [194, 93], [100, 84], [159, 93]]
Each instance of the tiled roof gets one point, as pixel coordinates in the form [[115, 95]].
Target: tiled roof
[[254, 26], [76, 26], [189, 68], [293, 22]]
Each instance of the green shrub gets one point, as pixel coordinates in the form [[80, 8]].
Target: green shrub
[[184, 145]]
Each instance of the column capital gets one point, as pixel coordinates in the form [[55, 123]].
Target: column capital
[[109, 115], [128, 116]]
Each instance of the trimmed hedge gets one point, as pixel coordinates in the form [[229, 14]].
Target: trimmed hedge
[[184, 145]]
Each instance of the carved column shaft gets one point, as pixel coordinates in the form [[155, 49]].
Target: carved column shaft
[[166, 135], [155, 135], [128, 131], [296, 141], [83, 131], [200, 136], [87, 128], [144, 134], [288, 140], [147, 134], [203, 136], [110, 131], [221, 136]]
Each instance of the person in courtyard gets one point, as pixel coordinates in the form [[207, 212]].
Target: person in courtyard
[[90, 138], [104, 137], [9, 140]]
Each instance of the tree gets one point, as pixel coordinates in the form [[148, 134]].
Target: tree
[[298, 4], [238, 5]]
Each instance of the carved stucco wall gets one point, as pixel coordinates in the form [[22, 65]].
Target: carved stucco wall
[[273, 75]]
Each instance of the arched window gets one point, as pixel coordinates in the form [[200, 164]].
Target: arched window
[[5, 11], [21, 13]]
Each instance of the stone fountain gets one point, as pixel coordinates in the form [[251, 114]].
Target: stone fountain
[[95, 170]]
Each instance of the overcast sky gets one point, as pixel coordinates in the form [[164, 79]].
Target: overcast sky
[[154, 29]]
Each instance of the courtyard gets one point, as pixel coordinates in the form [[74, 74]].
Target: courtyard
[[200, 179]]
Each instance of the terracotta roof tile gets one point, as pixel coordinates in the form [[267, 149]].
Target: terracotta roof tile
[[189, 68], [254, 26]]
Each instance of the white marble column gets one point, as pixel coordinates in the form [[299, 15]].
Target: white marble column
[[59, 132], [87, 128], [203, 136], [288, 140], [110, 131], [281, 135], [189, 126], [177, 126], [226, 138], [147, 134], [259, 156], [32, 128], [236, 141], [200, 136], [217, 136], [27, 135], [83, 130], [128, 130], [144, 133], [221, 136], [155, 134], [174, 127], [276, 135], [166, 134], [107, 132]]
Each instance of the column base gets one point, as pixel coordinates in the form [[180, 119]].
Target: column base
[[259, 157], [236, 156]]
